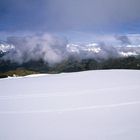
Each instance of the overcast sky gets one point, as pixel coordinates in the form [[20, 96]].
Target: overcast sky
[[66, 16]]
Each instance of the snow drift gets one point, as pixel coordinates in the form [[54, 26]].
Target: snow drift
[[78, 106]]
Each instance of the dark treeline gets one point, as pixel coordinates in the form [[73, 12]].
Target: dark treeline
[[8, 68]]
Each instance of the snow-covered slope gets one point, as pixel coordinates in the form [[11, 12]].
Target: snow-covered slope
[[93, 105]]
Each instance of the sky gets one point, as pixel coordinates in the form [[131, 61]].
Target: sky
[[71, 18]]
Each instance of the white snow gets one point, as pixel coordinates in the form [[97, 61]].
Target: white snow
[[93, 49], [92, 105], [127, 54], [92, 45], [4, 47]]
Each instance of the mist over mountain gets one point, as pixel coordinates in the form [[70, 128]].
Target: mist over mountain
[[47, 53], [53, 49], [46, 47]]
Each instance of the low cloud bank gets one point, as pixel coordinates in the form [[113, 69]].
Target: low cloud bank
[[52, 49], [49, 48]]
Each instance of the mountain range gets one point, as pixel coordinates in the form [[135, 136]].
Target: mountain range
[[77, 57]]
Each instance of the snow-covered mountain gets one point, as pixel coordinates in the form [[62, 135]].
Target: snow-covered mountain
[[93, 105], [53, 54], [101, 50], [5, 47], [76, 48]]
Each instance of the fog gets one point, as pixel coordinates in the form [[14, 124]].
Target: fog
[[54, 49]]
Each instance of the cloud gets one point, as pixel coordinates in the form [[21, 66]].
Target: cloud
[[53, 49], [123, 39], [92, 14], [62, 15], [47, 47]]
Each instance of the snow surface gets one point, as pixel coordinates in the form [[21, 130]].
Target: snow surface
[[92, 105]]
